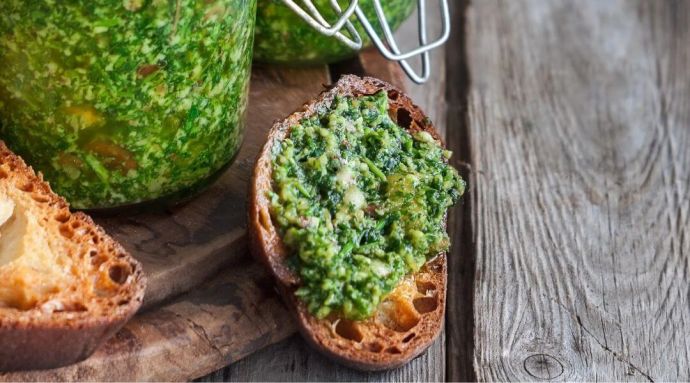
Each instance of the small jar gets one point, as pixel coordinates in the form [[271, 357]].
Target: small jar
[[120, 102], [282, 37]]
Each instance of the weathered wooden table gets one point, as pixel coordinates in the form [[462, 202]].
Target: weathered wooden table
[[571, 257]]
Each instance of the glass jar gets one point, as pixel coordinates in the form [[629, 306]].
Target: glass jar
[[123, 101], [282, 37]]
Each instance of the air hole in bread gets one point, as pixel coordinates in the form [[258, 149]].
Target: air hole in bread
[[27, 187], [375, 347], [75, 224], [404, 118], [394, 350], [78, 307], [123, 302], [348, 330], [3, 173], [265, 220], [425, 305], [66, 231], [393, 94], [119, 273], [40, 198], [62, 216], [409, 337], [425, 287]]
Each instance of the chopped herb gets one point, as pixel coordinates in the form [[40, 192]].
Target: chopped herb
[[147, 94], [378, 210]]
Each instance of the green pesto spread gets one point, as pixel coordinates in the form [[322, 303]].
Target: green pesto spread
[[360, 203], [282, 37], [121, 101]]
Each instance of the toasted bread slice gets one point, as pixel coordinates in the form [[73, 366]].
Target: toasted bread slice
[[411, 317], [65, 285]]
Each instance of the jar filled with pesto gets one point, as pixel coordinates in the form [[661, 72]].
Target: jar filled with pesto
[[119, 102], [282, 37]]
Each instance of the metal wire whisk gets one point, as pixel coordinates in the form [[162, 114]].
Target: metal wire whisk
[[387, 45]]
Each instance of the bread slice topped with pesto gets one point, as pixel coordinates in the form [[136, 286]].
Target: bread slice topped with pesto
[[348, 211], [65, 285]]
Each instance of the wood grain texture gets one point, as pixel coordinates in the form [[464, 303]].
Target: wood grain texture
[[461, 262], [579, 128], [180, 248], [218, 323], [293, 360]]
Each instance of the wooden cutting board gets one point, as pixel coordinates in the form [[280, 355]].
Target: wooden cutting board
[[207, 303]]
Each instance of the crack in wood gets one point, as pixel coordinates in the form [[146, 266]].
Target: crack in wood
[[615, 353], [618, 355], [201, 331]]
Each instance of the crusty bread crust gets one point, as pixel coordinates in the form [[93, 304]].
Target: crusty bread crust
[[44, 337], [409, 320]]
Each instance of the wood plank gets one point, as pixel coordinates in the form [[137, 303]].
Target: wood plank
[[182, 247], [461, 263], [579, 132], [293, 360], [216, 324]]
